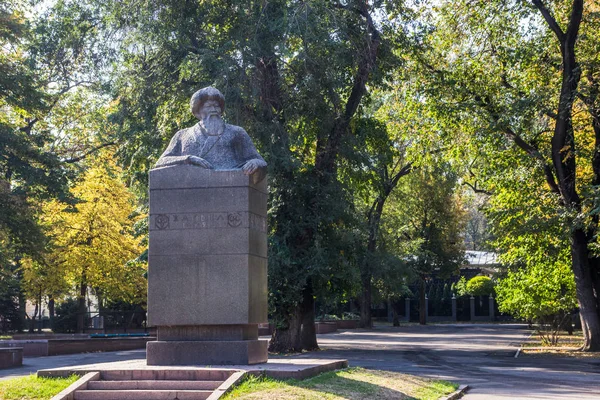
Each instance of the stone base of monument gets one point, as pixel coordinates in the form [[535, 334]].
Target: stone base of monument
[[244, 352], [207, 272]]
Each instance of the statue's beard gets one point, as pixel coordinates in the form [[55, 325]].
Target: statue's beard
[[212, 125]]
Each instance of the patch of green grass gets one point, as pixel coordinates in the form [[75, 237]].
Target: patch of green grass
[[436, 389], [351, 383], [33, 388]]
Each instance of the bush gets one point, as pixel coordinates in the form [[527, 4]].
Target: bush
[[480, 286], [66, 317], [350, 316], [541, 292], [329, 317]]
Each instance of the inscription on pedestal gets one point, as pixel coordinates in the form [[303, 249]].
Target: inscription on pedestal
[[238, 219]]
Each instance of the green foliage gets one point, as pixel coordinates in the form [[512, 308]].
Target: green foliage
[[537, 291], [27, 172], [480, 286], [10, 319], [428, 219], [65, 320], [291, 83], [494, 72], [460, 288], [447, 292]]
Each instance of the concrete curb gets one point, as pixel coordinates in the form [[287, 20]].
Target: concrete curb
[[80, 384], [462, 389], [520, 349], [235, 378]]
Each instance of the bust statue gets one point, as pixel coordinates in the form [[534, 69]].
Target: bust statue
[[212, 143]]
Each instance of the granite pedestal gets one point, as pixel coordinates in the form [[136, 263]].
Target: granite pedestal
[[207, 272]]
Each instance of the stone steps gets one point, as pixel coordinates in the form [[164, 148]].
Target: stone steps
[[154, 385], [142, 394]]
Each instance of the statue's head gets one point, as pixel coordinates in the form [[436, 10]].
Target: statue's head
[[204, 95], [207, 105]]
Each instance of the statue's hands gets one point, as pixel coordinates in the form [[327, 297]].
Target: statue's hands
[[253, 165], [201, 162]]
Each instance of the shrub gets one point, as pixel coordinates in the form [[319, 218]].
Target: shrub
[[480, 286], [66, 317]]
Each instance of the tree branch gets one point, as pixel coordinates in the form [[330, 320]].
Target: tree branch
[[87, 153], [574, 22], [475, 189], [325, 160], [550, 19]]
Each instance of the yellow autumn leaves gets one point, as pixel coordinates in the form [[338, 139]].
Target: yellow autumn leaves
[[91, 242]]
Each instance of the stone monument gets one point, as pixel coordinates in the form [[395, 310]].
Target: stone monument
[[207, 260]]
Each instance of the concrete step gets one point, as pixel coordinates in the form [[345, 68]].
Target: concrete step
[[142, 394], [153, 385], [166, 374]]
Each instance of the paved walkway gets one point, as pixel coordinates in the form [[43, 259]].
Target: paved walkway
[[479, 355]]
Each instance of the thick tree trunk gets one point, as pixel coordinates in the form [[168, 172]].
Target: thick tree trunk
[[564, 162], [395, 318], [594, 110], [308, 333], [287, 340], [588, 311], [81, 310], [422, 304], [365, 303]]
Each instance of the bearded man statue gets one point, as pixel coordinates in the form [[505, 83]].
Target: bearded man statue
[[212, 143]]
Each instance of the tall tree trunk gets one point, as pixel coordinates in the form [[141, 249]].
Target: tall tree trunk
[[308, 334], [422, 303], [365, 302], [588, 311], [366, 273], [291, 338], [81, 310], [395, 318], [389, 181], [287, 339], [564, 162], [593, 105]]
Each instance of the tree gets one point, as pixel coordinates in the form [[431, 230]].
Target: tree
[[514, 86], [374, 167], [542, 291], [294, 86], [92, 242], [429, 225]]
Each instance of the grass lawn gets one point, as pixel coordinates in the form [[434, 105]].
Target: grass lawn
[[33, 388], [352, 383]]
